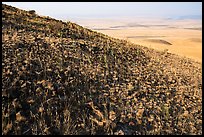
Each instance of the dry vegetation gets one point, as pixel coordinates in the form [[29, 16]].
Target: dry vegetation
[[155, 33], [60, 78]]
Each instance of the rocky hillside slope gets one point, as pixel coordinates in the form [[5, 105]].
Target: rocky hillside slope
[[61, 78]]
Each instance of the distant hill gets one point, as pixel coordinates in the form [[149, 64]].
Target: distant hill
[[197, 17], [61, 78]]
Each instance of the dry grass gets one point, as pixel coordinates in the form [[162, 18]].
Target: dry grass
[[64, 79], [185, 42]]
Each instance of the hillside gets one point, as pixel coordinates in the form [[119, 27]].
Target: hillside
[[61, 78]]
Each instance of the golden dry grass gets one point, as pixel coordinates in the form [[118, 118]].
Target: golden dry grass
[[60, 78], [185, 42]]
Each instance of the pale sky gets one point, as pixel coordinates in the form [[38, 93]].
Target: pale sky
[[62, 10]]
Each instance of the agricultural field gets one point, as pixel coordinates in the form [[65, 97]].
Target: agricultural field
[[59, 78], [179, 36]]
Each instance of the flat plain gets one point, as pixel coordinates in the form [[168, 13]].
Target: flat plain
[[179, 36]]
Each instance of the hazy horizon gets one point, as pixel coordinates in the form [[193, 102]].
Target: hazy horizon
[[77, 10]]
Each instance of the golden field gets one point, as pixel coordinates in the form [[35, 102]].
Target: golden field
[[185, 36]]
